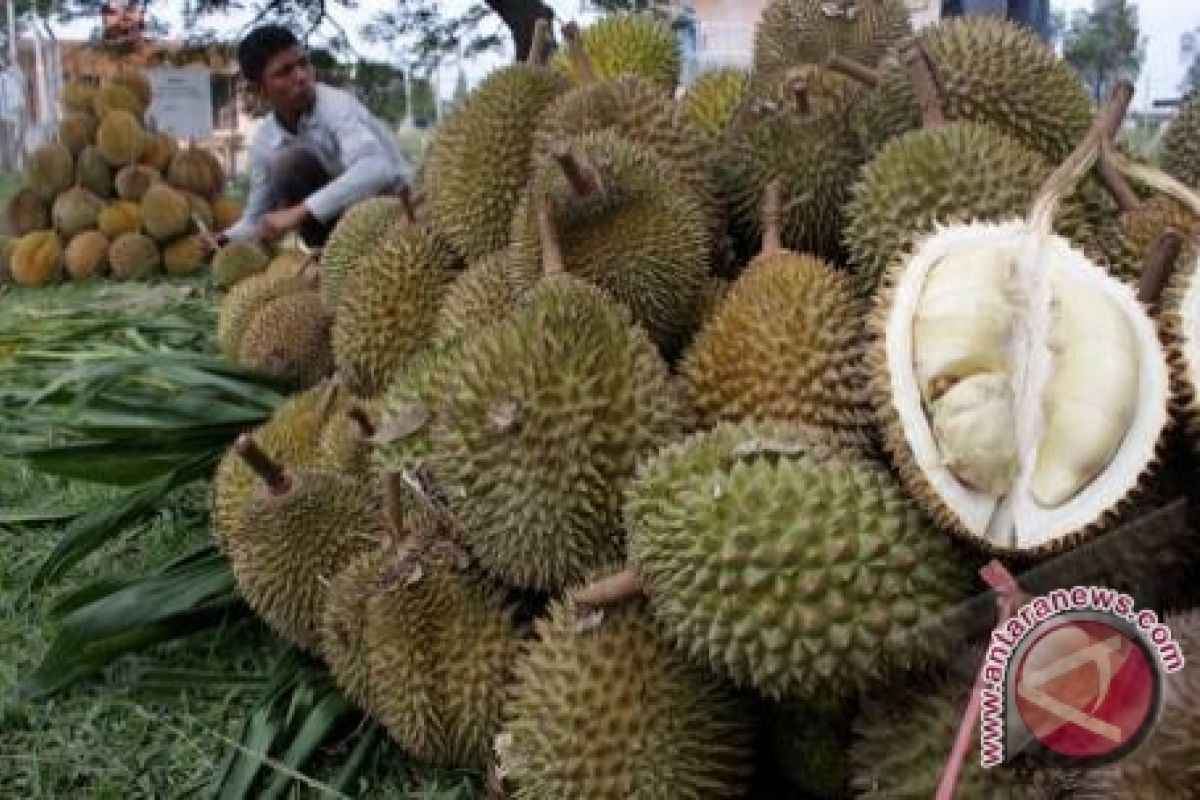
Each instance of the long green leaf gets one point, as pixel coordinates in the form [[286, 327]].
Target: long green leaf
[[318, 725]]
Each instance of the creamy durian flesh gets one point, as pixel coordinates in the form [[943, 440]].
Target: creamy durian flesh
[[1026, 390]]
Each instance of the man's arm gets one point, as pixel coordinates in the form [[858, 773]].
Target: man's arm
[[368, 169], [258, 202]]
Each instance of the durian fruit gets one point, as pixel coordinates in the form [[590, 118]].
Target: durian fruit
[[237, 261], [712, 100], [387, 307], [133, 181], [134, 256], [136, 82], [159, 151], [627, 44], [296, 531], [192, 170], [357, 232], [1163, 767], [606, 709], [86, 255], [26, 212], [50, 171], [184, 256], [245, 299], [201, 209], [487, 292], [904, 734], [536, 428], [794, 33], [714, 294], [340, 631], [37, 259], [76, 132], [93, 173], [78, 97], [789, 565], [985, 70], [289, 337], [348, 439], [111, 96], [1181, 144], [121, 138], [478, 163], [785, 344], [607, 199], [166, 213], [74, 211], [227, 211], [1022, 392], [120, 217]]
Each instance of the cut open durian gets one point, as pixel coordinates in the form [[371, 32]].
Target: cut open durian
[[1025, 390]]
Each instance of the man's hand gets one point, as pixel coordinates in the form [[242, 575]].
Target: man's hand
[[281, 222]]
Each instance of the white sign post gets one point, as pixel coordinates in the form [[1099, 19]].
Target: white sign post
[[182, 104]]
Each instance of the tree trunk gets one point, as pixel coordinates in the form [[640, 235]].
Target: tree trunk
[[521, 16]]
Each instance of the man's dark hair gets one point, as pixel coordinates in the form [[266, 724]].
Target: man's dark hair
[[259, 46]]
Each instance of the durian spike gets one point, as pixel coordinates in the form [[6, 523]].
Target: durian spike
[[1122, 193], [582, 178], [272, 474], [616, 588], [772, 217], [1154, 178], [1156, 270], [921, 75], [366, 428], [854, 70], [538, 47], [582, 61], [552, 255]]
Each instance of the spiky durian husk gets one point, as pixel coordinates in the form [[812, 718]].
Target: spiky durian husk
[[610, 711], [1166, 765], [289, 337], [615, 238], [628, 44], [1177, 328], [712, 100], [341, 634], [1181, 144], [786, 345], [793, 33], [536, 428], [439, 643], [344, 445], [387, 307], [246, 298], [479, 160], [1138, 233], [960, 172], [868, 581], [488, 291], [288, 547], [990, 71], [811, 151], [358, 231]]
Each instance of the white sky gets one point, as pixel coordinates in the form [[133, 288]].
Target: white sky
[[1162, 23]]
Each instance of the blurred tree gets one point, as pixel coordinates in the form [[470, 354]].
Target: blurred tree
[[1105, 45]]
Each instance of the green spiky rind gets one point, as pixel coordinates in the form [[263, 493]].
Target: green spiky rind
[[288, 547], [1140, 230], [616, 239], [479, 161], [537, 428], [815, 157], [290, 436], [244, 300], [627, 44], [956, 172], [487, 292], [356, 233], [237, 261], [785, 345], [342, 637], [793, 33], [438, 648], [994, 72], [642, 112], [610, 711], [1185, 396], [388, 306], [342, 446], [289, 337], [788, 566], [1163, 767], [712, 100], [903, 736], [1181, 144]]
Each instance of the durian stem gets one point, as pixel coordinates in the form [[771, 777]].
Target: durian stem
[[1154, 178], [366, 429], [541, 38], [410, 209], [267, 469], [582, 180], [552, 255], [616, 588], [1156, 271], [798, 83], [921, 75], [1008, 595], [329, 398], [394, 488], [1124, 195], [583, 62], [854, 70], [772, 216]]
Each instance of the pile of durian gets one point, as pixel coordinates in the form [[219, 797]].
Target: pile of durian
[[107, 197], [653, 447]]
